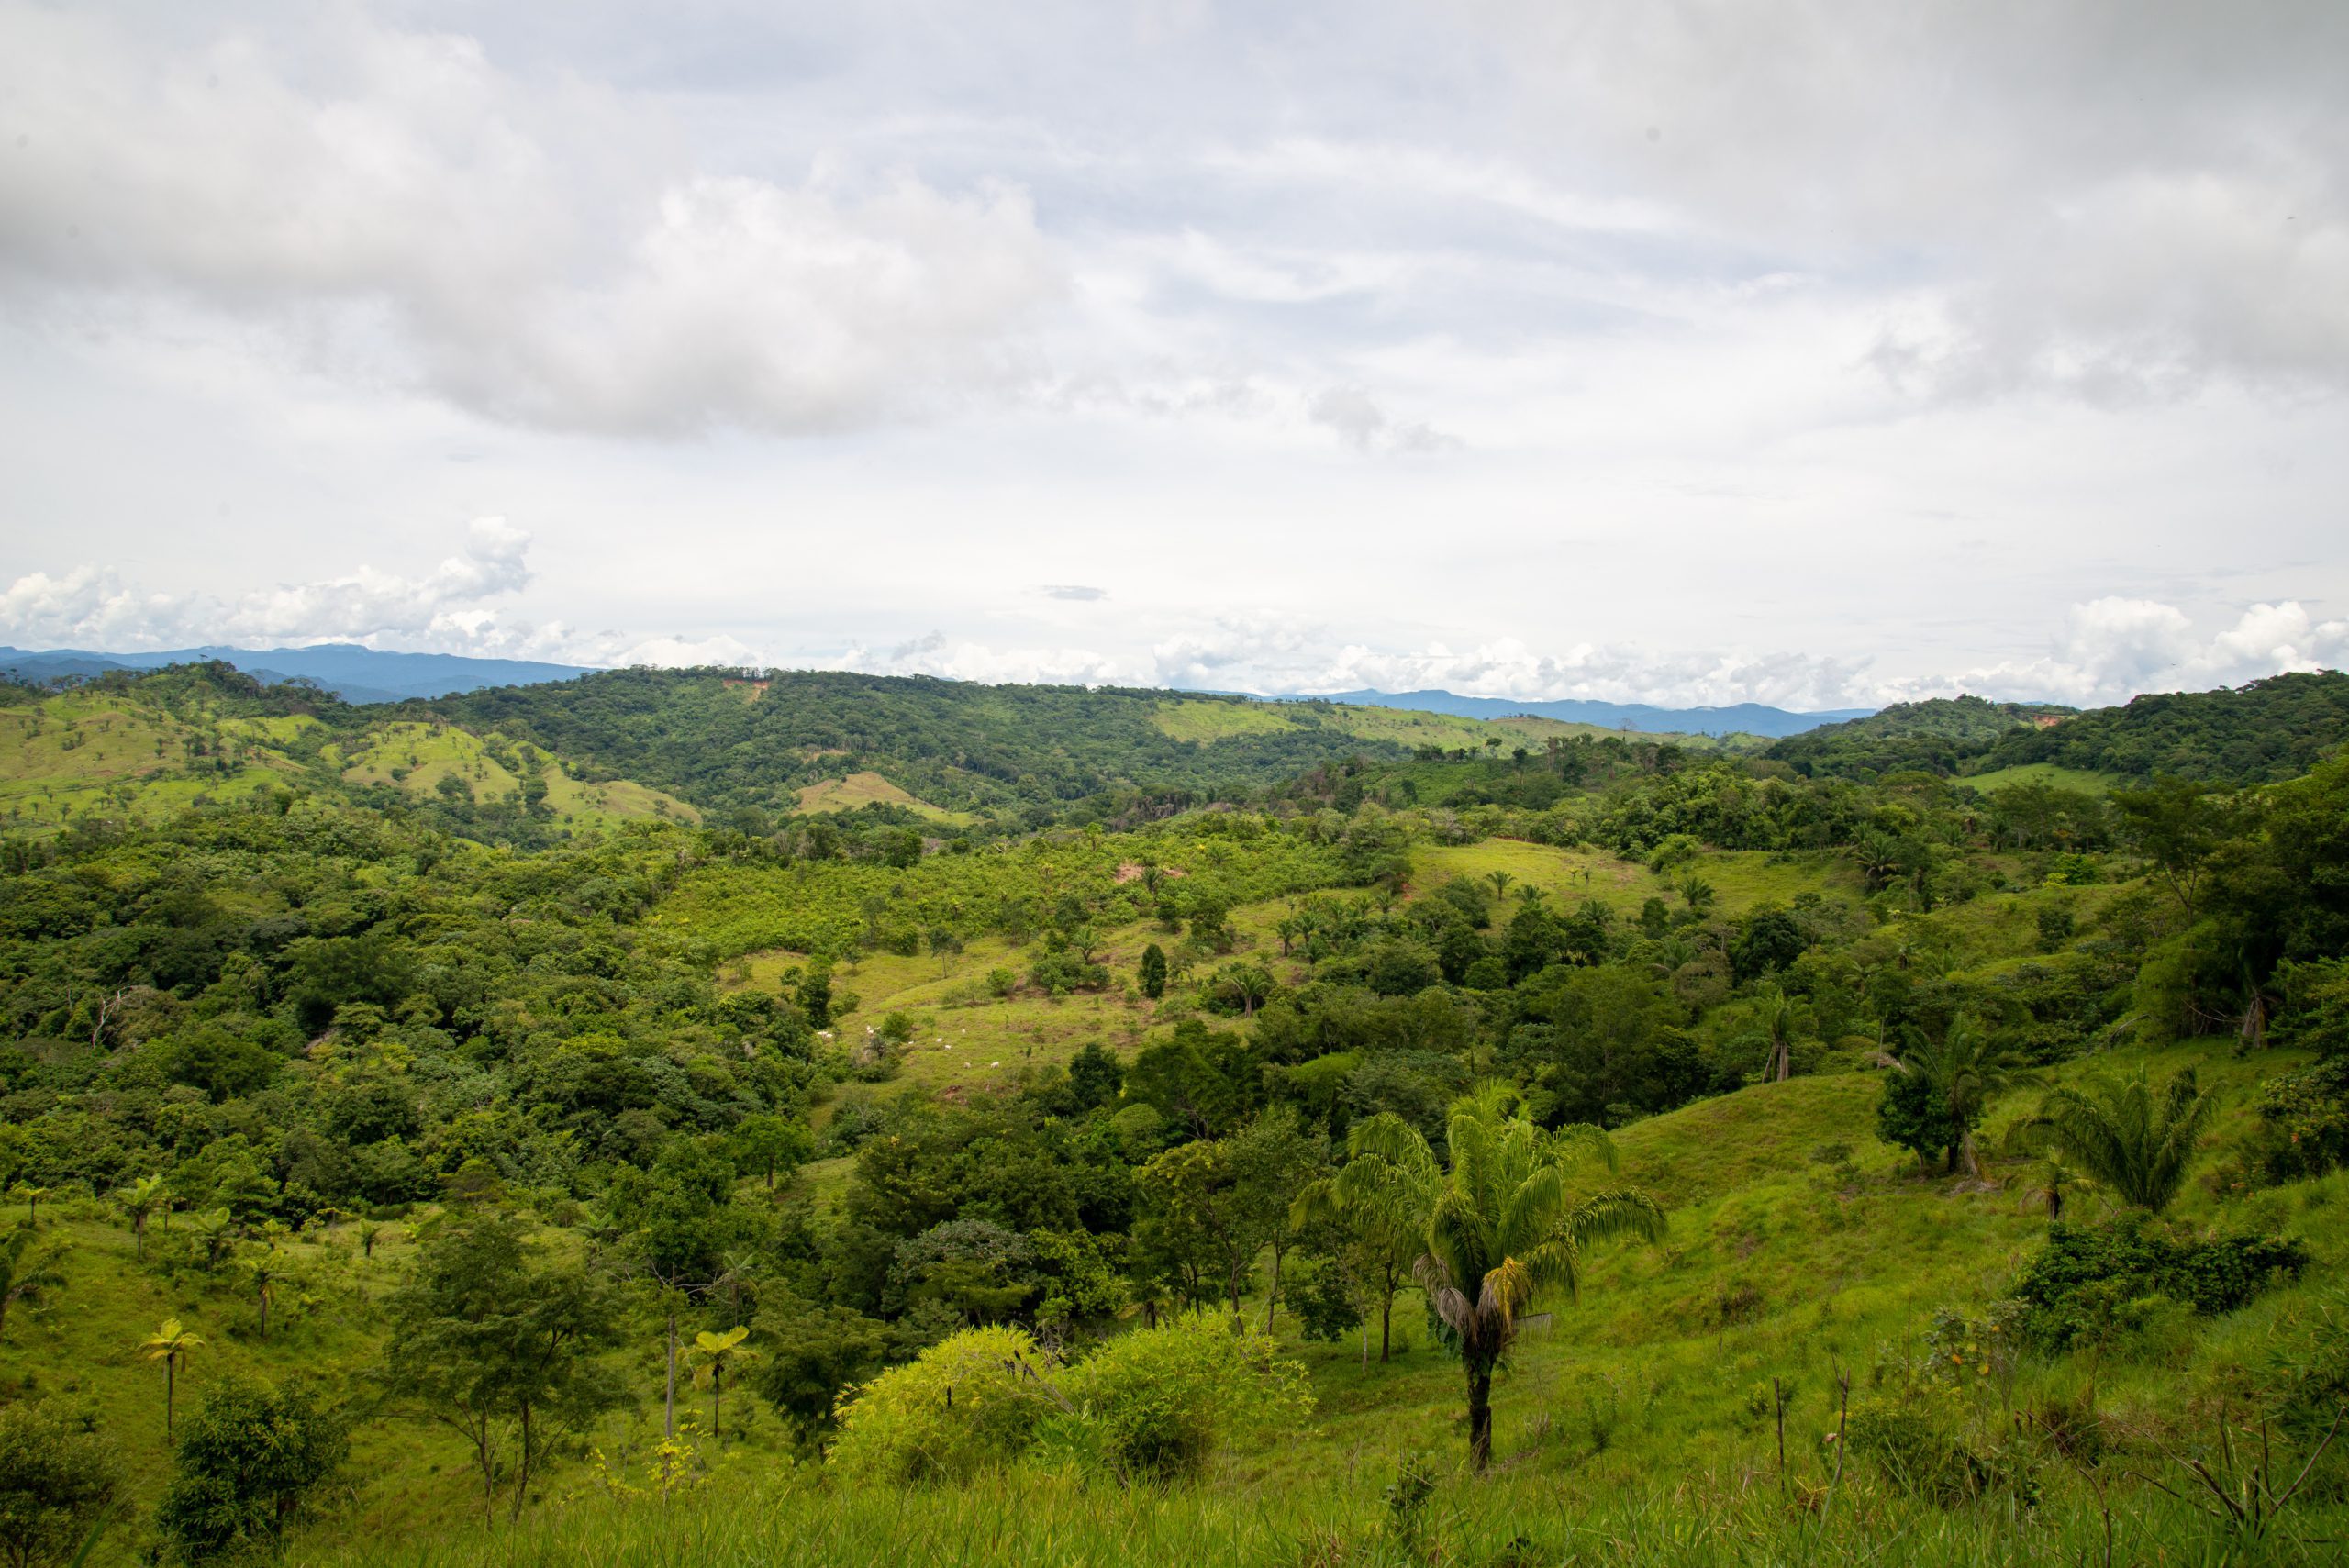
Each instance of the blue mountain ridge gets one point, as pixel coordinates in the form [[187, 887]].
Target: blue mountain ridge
[[353, 673]]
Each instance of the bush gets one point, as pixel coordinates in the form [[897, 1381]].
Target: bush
[[57, 1481], [1155, 1404], [245, 1468], [2094, 1285], [968, 1403]]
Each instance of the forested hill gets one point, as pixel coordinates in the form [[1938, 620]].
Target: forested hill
[[721, 738], [2267, 732], [2261, 733], [1935, 736]]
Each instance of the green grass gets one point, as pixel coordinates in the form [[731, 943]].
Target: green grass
[[2046, 773], [1207, 721], [1741, 878], [868, 789]]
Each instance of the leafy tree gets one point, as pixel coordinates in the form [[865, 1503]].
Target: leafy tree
[[1384, 1206], [766, 1141], [1273, 1159], [241, 1475], [1778, 1022], [500, 1347], [818, 1351], [1958, 1079], [1154, 972], [170, 1344], [2177, 825], [58, 1482], [1503, 1224], [1196, 1217], [2131, 1137]]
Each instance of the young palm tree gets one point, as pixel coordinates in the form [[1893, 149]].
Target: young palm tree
[[217, 1229], [721, 1351], [1778, 1020], [1973, 1070], [32, 1195], [140, 1200], [2133, 1138], [1501, 881], [264, 1271], [170, 1344], [27, 1272], [2052, 1186], [1386, 1205], [1503, 1224]]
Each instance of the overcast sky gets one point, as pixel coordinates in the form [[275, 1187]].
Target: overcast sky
[[1700, 351]]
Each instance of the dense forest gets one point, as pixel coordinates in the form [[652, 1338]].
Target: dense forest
[[434, 1125]]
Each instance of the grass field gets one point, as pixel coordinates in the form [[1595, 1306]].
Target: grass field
[[2046, 773], [1206, 721], [867, 789]]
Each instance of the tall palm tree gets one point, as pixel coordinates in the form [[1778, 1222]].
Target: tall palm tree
[[170, 1344], [265, 1270], [140, 1200], [1503, 1226], [27, 1272], [2134, 1138], [721, 1351]]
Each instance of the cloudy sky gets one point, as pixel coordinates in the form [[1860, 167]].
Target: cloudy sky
[[1683, 351]]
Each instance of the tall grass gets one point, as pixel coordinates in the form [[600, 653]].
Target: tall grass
[[1021, 1521]]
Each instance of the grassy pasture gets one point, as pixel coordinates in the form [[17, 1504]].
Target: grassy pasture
[[867, 789], [2047, 774]]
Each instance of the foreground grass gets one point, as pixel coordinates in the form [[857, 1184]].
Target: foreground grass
[[1039, 1521]]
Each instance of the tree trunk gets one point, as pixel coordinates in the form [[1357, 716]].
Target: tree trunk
[[1273, 1296], [522, 1471], [668, 1394], [1969, 1154], [1386, 1327], [1480, 1418], [171, 1391], [717, 1375]]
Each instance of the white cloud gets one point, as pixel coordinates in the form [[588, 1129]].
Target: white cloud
[[2113, 648], [91, 608], [396, 208]]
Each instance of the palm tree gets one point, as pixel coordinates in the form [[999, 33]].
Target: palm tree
[[2052, 1184], [1501, 881], [26, 1274], [217, 1229], [1532, 897], [32, 1195], [1502, 1226], [265, 1270], [2133, 1138], [1777, 1021], [1695, 889], [139, 1200], [1971, 1068], [718, 1349], [170, 1344]]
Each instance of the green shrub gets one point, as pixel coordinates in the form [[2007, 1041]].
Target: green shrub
[[246, 1467], [2097, 1284], [57, 1481], [968, 1403], [1157, 1403]]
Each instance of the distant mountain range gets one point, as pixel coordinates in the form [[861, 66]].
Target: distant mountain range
[[1745, 718], [354, 674]]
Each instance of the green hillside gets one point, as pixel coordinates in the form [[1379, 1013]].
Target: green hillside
[[2265, 731], [1935, 737], [984, 1130]]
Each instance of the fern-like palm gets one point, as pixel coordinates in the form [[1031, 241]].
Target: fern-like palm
[[721, 1351], [170, 1344], [1502, 1224], [2133, 1138], [140, 1201]]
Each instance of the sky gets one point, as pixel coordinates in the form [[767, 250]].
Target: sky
[[1686, 351]]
